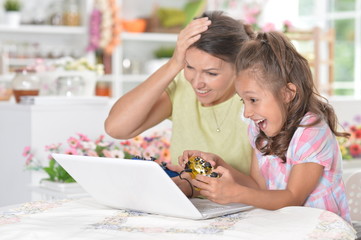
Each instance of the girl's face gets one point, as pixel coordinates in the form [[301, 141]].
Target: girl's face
[[260, 105], [212, 78]]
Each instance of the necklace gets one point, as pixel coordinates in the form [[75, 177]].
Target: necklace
[[225, 116]]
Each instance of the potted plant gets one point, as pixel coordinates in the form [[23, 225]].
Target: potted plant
[[12, 12], [155, 145]]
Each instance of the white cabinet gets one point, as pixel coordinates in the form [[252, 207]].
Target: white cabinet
[[38, 126]]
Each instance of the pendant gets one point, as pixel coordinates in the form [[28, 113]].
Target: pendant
[[218, 130]]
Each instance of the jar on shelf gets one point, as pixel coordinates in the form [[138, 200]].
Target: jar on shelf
[[70, 86], [71, 13], [25, 83], [6, 90], [103, 88]]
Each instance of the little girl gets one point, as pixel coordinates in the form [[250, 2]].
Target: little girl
[[297, 161]]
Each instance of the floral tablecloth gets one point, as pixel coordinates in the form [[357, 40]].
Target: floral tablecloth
[[86, 219]]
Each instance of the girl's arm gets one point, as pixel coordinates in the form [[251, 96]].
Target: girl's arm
[[148, 104], [302, 181]]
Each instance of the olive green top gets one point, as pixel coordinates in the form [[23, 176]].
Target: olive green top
[[194, 127]]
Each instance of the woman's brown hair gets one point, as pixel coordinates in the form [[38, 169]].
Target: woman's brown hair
[[275, 63], [224, 36]]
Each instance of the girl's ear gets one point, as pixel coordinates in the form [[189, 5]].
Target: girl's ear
[[289, 92]]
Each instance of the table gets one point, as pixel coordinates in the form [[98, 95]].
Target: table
[[86, 219]]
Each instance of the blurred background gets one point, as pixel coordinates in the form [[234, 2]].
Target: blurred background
[[124, 41], [63, 63]]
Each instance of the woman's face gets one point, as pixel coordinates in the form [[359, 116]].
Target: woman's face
[[211, 78]]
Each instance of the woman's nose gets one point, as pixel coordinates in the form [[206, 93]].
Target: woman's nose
[[197, 81]]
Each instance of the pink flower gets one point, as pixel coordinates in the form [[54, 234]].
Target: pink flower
[[355, 150], [29, 159], [87, 146], [164, 155], [100, 139], [73, 142], [53, 147], [113, 153], [71, 151], [105, 144], [91, 153], [83, 137], [287, 23], [125, 143], [268, 27], [251, 14], [358, 133], [26, 151]]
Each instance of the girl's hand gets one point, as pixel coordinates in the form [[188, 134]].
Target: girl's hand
[[221, 190], [189, 35]]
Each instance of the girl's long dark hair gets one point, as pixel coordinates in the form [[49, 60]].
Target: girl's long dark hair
[[275, 62]]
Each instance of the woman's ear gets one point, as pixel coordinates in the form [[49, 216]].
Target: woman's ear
[[289, 92]]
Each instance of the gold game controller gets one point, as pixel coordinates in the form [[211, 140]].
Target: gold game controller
[[197, 165]]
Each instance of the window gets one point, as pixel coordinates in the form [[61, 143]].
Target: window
[[344, 16]]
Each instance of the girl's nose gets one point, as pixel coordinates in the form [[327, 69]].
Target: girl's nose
[[248, 113]]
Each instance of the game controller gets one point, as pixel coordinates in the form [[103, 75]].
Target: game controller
[[163, 165], [197, 165]]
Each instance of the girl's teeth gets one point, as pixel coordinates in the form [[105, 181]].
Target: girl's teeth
[[259, 121]]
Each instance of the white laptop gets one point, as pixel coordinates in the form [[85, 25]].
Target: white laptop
[[138, 185]]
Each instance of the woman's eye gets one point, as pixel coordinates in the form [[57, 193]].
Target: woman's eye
[[213, 74], [253, 100], [189, 67]]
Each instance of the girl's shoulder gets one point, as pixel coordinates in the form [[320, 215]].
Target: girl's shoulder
[[310, 118], [314, 143], [310, 127]]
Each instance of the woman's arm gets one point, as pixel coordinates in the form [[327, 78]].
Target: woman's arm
[[148, 104]]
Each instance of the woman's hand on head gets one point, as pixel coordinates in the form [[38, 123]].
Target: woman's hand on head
[[221, 190], [189, 35]]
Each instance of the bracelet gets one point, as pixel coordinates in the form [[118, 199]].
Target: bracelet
[[180, 176]]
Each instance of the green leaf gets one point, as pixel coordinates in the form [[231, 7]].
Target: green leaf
[[50, 172]]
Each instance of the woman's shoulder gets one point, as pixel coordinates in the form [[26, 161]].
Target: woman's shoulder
[[178, 87]]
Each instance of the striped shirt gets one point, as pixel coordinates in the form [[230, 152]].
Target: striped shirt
[[315, 144]]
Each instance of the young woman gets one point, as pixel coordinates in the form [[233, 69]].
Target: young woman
[[195, 89], [297, 161]]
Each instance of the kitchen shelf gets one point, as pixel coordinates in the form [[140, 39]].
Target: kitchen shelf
[[43, 29], [136, 78], [156, 37]]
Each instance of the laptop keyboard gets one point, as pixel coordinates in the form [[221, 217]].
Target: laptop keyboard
[[206, 205]]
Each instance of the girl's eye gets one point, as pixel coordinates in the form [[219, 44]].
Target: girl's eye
[[189, 67], [253, 100]]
